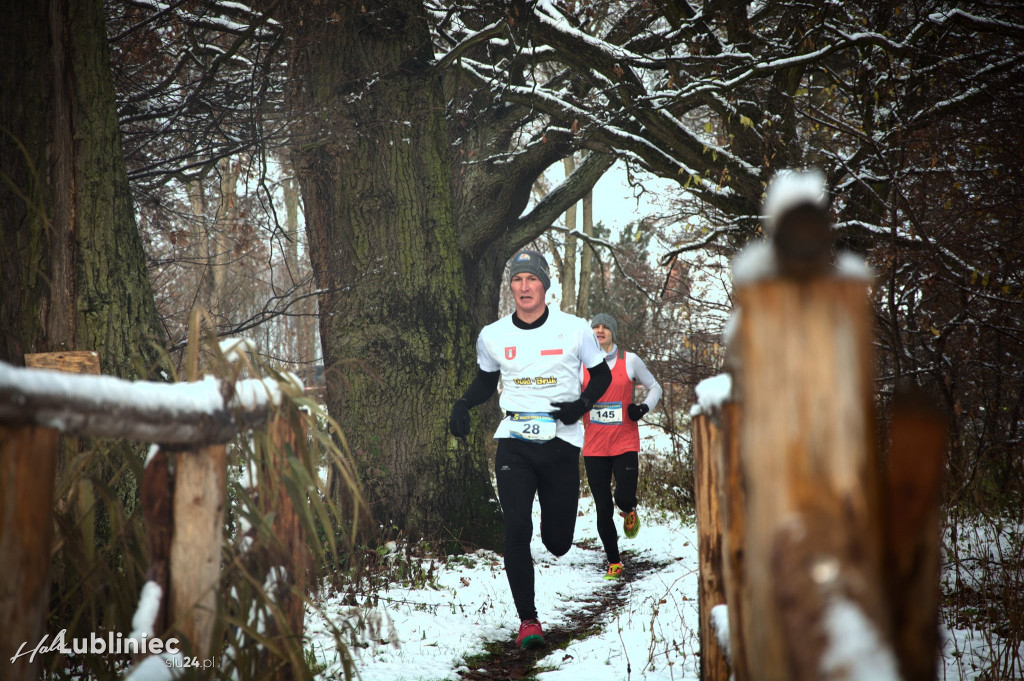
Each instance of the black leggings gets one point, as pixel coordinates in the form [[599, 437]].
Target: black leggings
[[549, 470], [600, 469]]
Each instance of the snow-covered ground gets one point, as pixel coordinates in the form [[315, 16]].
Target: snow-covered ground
[[426, 634]]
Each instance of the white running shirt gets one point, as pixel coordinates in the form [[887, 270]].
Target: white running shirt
[[539, 366]]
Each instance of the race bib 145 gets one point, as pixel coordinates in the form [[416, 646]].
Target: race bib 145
[[607, 413]]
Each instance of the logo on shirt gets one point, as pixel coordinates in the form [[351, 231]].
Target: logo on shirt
[[556, 351], [538, 380], [510, 352]]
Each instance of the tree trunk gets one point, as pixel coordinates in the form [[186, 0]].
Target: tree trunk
[[223, 231], [569, 257], [396, 324], [586, 258], [72, 265], [305, 323]]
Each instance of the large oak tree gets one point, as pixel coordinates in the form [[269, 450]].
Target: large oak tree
[[72, 266], [423, 125], [415, 186]]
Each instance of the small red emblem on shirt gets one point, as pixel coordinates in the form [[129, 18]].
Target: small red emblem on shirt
[[510, 353], [556, 351]]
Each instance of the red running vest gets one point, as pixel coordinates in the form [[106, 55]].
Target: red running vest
[[603, 439]]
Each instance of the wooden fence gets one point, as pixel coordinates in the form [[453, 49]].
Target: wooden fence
[[183, 492], [819, 554]]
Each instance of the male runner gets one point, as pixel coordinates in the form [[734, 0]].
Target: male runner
[[537, 353]]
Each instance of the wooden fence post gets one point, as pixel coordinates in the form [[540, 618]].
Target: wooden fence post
[[200, 483], [813, 541], [28, 457], [707, 444], [28, 467], [290, 549], [732, 496], [156, 494], [915, 464]]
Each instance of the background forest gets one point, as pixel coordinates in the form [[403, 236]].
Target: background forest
[[343, 182]]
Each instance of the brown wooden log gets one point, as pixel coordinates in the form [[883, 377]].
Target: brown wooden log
[[200, 483], [72, 361], [157, 498], [28, 469], [28, 458], [288, 528], [917, 449], [732, 499], [707, 443], [813, 539], [290, 550]]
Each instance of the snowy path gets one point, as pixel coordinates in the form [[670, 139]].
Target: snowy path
[[589, 617], [643, 628]]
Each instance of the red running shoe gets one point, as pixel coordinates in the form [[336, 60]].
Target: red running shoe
[[530, 635]]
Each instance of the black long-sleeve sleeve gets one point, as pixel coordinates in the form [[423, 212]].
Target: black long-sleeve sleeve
[[600, 380], [483, 386]]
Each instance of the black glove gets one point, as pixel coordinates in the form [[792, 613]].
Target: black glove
[[458, 422], [637, 411], [571, 412]]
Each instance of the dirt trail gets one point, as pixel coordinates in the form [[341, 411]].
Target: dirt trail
[[505, 662]]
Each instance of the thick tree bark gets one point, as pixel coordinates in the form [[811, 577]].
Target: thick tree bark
[[414, 191], [396, 324], [72, 265]]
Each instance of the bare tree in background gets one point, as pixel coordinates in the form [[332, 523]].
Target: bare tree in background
[[200, 87]]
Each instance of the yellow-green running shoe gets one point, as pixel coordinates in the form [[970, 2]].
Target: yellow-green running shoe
[[614, 571], [630, 523]]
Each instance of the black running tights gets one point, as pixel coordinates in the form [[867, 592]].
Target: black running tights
[[600, 469], [549, 470]]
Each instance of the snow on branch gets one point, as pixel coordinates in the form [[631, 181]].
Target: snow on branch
[[705, 241], [973, 20], [495, 29]]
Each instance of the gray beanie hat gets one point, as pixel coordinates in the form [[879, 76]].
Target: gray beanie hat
[[608, 321], [532, 262]]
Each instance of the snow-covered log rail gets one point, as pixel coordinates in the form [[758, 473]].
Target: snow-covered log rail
[[819, 556], [195, 414]]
